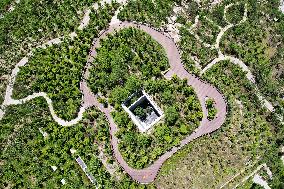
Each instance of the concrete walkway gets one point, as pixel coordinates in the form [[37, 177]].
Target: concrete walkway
[[257, 179], [202, 89]]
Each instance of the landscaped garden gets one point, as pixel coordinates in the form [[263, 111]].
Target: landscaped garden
[[128, 61], [240, 144], [36, 151]]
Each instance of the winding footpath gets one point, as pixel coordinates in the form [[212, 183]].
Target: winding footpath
[[222, 57], [202, 89], [8, 100]]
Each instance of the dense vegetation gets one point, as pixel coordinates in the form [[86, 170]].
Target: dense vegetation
[[57, 69], [206, 30], [256, 42], [128, 51], [31, 23], [182, 115], [194, 51], [129, 61], [212, 111], [259, 43], [27, 156], [4, 6], [249, 137], [235, 13], [145, 11], [211, 161]]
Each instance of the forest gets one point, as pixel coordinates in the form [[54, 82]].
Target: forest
[[151, 12]]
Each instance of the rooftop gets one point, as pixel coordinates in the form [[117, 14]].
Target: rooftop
[[144, 112]]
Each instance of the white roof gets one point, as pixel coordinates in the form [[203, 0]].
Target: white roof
[[63, 181]]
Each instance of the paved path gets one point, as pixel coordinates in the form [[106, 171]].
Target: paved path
[[202, 89], [234, 60]]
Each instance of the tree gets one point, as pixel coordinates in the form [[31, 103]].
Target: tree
[[183, 129], [171, 115], [140, 112]]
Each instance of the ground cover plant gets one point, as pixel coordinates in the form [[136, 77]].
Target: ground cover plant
[[57, 69], [129, 61]]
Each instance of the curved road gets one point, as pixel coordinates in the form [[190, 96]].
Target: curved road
[[202, 89]]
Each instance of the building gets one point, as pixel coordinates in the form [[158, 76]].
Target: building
[[144, 112]]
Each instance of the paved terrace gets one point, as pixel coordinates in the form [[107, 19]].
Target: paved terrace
[[202, 89]]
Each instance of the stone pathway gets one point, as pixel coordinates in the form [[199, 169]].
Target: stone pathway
[[203, 90]]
